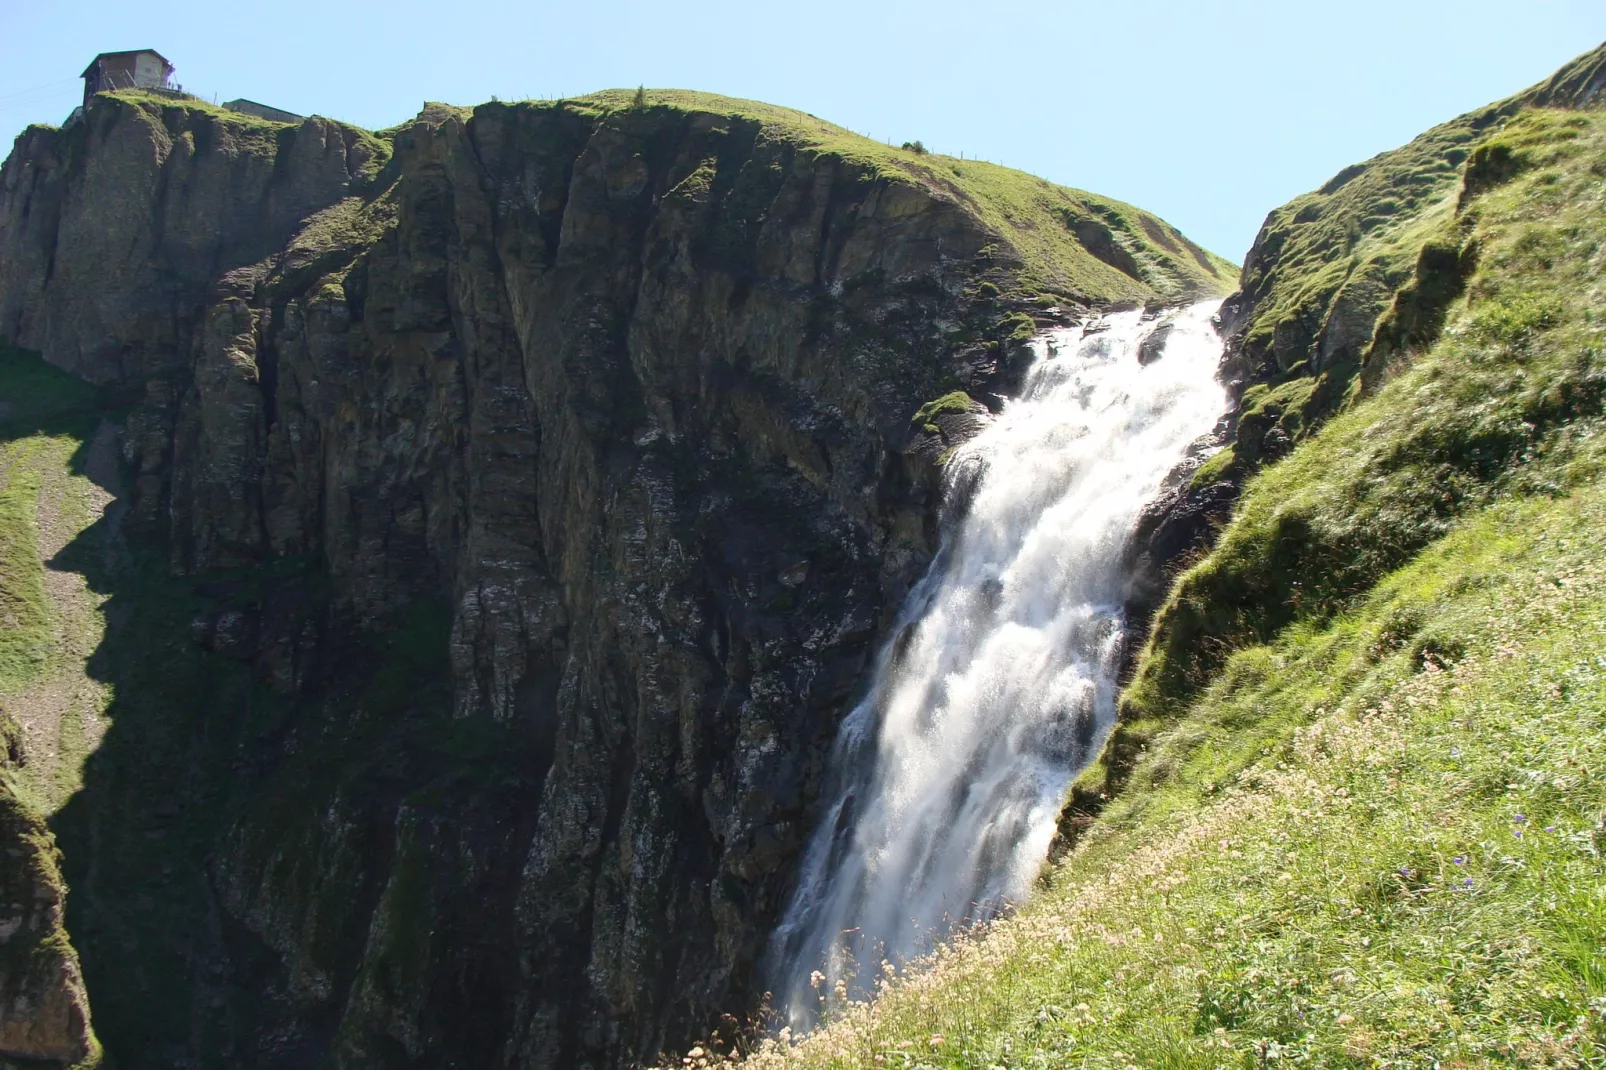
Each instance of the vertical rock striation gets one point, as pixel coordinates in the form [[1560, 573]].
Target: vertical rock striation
[[514, 507]]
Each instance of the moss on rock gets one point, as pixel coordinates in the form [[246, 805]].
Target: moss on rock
[[953, 404]]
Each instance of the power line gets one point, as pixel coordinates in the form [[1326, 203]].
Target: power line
[[36, 102], [56, 86]]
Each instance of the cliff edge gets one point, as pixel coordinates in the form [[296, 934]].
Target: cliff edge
[[500, 515]]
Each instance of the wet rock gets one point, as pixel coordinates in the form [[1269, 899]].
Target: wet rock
[[1152, 346]]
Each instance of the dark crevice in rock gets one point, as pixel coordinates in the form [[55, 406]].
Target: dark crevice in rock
[[514, 506]]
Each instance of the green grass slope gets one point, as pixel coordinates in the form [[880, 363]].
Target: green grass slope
[[1499, 404], [1361, 850], [1056, 240], [1355, 812], [50, 620], [1326, 264]]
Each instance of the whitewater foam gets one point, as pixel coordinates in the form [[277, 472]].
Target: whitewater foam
[[998, 682]]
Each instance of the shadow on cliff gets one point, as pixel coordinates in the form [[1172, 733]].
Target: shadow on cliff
[[135, 885], [233, 853]]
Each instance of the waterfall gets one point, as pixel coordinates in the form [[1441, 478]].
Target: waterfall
[[998, 683]]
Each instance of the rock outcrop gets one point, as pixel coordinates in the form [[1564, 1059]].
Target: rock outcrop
[[514, 505], [44, 1011]]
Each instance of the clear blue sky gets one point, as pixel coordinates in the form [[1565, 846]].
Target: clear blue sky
[[1209, 114]]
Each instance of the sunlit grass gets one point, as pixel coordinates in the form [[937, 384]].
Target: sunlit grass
[[1364, 823], [1362, 850]]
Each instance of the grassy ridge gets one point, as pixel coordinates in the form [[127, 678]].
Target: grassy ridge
[[1065, 241], [1328, 263], [1058, 241], [1362, 809], [1501, 404]]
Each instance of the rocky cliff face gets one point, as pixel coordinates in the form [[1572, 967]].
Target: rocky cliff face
[[510, 508], [44, 1011]]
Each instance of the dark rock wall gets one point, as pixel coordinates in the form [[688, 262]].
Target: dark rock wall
[[509, 523], [113, 231]]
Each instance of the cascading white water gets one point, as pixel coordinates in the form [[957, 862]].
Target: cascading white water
[[999, 681]]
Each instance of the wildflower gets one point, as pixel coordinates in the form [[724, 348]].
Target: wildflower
[[1520, 818], [1467, 883], [1550, 828], [1344, 1019], [1459, 860], [816, 979], [938, 1040]]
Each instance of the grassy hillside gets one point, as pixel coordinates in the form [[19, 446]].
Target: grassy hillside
[[1499, 404], [51, 711], [49, 619], [1061, 241], [1326, 264], [1356, 806]]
